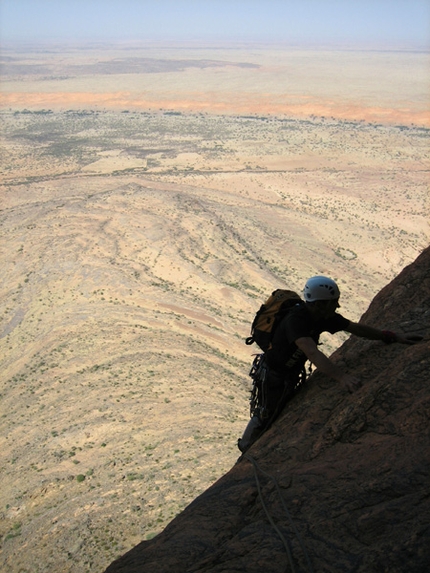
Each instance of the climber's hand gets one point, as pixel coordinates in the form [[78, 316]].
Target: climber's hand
[[413, 339]]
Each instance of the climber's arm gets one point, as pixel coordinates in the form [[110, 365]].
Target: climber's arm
[[325, 365], [386, 336]]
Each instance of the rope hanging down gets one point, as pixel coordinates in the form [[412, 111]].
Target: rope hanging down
[[257, 468]]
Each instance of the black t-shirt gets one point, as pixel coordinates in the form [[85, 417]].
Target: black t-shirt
[[284, 356]]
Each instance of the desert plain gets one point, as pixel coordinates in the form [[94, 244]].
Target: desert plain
[[152, 197]]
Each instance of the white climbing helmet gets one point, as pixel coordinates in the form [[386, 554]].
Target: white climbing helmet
[[320, 288]]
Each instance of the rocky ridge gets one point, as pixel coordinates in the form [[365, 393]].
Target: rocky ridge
[[340, 483]]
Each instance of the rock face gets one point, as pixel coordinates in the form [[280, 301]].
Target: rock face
[[340, 483]]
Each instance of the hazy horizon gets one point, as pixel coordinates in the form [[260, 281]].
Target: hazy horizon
[[378, 23]]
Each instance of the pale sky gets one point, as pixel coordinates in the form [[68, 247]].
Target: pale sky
[[365, 22]]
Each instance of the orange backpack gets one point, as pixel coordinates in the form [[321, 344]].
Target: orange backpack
[[269, 315]]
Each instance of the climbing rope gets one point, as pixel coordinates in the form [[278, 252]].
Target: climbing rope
[[257, 469]]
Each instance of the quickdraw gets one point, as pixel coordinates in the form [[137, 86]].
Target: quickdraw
[[258, 373]]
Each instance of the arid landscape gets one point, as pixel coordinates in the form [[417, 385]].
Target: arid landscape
[[151, 199]]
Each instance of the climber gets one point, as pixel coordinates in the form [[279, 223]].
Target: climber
[[295, 341]]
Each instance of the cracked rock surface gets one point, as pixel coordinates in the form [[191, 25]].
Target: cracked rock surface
[[344, 479]]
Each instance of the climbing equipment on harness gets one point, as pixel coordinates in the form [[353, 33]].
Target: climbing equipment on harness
[[261, 412], [259, 373]]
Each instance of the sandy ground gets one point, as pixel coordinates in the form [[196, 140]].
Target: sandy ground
[[388, 87], [138, 241]]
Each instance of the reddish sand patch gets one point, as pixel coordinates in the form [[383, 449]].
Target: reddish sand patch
[[243, 104]]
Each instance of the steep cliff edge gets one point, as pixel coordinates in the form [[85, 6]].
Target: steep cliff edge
[[340, 483]]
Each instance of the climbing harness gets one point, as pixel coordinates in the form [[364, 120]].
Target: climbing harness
[[284, 540], [263, 408], [258, 373]]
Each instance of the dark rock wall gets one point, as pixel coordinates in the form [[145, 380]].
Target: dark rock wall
[[340, 483]]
